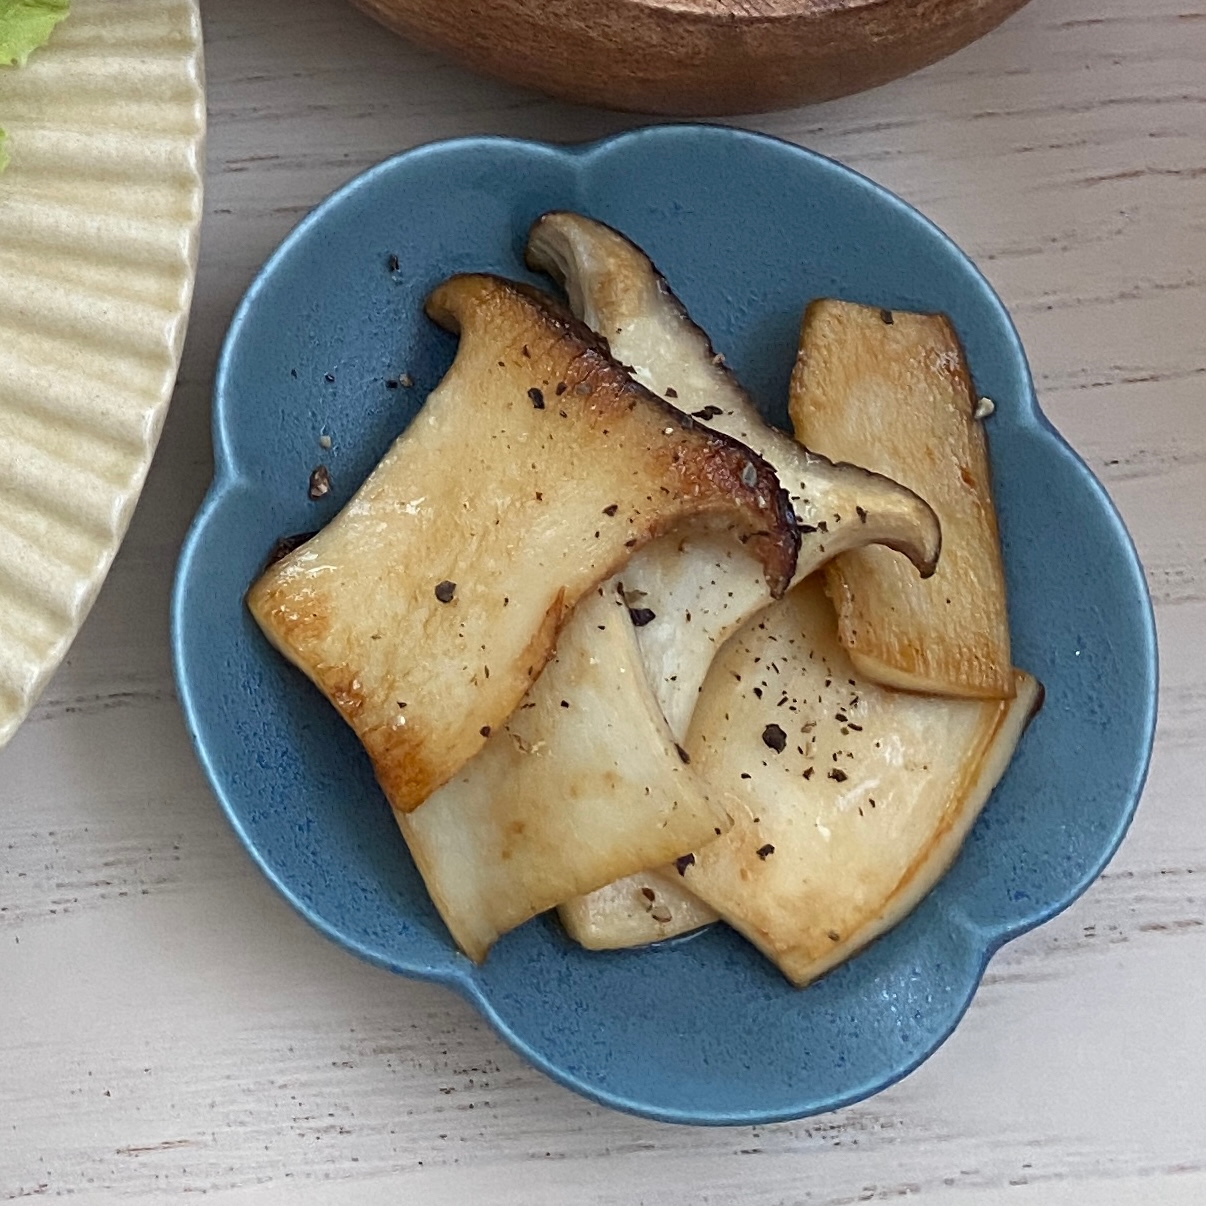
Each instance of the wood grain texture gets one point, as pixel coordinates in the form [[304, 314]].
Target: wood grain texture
[[169, 1024], [694, 57]]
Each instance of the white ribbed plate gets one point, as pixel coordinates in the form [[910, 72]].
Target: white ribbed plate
[[99, 211]]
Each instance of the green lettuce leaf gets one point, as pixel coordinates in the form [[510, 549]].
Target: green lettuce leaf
[[25, 25]]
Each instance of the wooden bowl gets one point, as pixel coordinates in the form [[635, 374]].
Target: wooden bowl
[[694, 57]]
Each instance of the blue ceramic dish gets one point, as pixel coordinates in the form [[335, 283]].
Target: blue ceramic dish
[[747, 229]]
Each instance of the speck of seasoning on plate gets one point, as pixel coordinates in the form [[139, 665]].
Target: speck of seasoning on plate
[[838, 776], [445, 590], [641, 616], [763, 852], [324, 441], [320, 482], [681, 864], [485, 730], [684, 757], [886, 316], [537, 398]]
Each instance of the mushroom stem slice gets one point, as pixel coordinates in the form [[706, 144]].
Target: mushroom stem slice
[[427, 608], [650, 906], [891, 390]]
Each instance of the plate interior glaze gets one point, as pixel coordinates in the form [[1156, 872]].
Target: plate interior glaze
[[747, 230]]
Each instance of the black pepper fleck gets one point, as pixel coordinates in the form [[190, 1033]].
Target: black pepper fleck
[[763, 851], [612, 509], [485, 730], [681, 864], [641, 616], [886, 316], [445, 590], [537, 398], [391, 263], [774, 738], [320, 482], [838, 776], [285, 545]]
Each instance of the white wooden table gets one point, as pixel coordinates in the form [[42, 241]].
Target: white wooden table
[[167, 1023]]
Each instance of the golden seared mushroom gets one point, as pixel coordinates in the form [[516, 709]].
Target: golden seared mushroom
[[428, 606], [891, 390], [699, 590], [582, 785], [854, 798]]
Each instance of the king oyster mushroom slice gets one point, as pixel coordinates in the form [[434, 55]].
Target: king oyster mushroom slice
[[698, 591], [852, 799], [892, 389], [584, 784], [426, 609]]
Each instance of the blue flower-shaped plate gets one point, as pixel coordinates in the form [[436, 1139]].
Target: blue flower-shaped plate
[[747, 230]]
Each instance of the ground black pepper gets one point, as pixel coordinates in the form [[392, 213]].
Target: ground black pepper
[[774, 738], [320, 482]]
